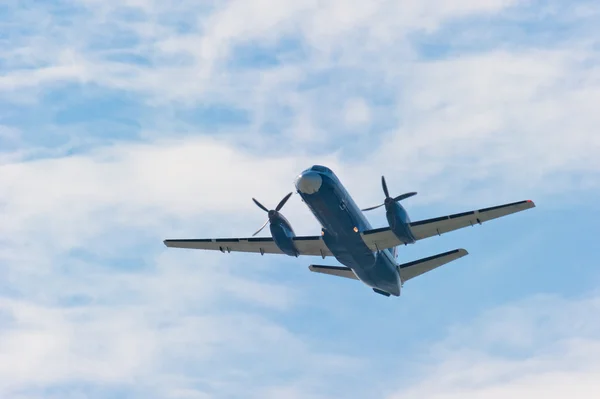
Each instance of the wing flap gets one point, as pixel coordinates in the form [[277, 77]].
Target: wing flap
[[338, 271], [421, 266]]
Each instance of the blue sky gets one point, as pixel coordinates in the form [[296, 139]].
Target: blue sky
[[124, 123]]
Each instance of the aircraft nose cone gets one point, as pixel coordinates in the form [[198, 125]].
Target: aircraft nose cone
[[309, 182]]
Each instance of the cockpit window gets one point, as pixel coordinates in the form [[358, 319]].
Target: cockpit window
[[320, 168]]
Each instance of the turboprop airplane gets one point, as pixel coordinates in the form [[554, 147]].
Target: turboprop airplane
[[366, 254]]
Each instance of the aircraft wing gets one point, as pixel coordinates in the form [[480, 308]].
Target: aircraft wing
[[306, 245], [384, 238]]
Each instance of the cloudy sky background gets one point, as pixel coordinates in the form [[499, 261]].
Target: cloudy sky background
[[126, 122]]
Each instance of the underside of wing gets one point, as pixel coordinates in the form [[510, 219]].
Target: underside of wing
[[312, 245], [378, 239], [432, 227], [307, 245]]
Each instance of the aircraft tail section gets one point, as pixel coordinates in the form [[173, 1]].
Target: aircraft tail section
[[418, 267]]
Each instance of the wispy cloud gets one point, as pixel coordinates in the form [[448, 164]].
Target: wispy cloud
[[541, 346], [431, 111]]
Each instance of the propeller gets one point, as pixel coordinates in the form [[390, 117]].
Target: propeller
[[389, 200], [273, 212]]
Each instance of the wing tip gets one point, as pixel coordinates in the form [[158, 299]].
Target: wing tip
[[461, 252]]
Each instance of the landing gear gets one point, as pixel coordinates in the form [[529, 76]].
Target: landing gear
[[381, 292]]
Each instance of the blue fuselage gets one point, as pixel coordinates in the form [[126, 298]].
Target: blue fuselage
[[342, 222]]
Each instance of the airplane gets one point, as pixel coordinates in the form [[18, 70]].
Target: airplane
[[367, 254]]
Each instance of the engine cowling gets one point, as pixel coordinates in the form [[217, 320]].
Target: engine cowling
[[281, 230], [399, 222], [283, 235]]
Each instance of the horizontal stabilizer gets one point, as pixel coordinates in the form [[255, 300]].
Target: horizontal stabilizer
[[418, 267], [339, 271]]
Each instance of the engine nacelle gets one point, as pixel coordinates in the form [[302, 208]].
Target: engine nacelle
[[283, 235], [399, 223]]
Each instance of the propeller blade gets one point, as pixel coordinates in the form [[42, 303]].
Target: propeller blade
[[259, 230], [371, 208], [282, 202], [385, 189], [404, 196], [261, 206]]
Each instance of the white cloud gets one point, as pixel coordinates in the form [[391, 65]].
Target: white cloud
[[215, 32], [9, 134], [141, 184], [174, 326], [543, 346], [356, 112], [91, 296], [463, 113]]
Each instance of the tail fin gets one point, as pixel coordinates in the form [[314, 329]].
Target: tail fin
[[418, 267]]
